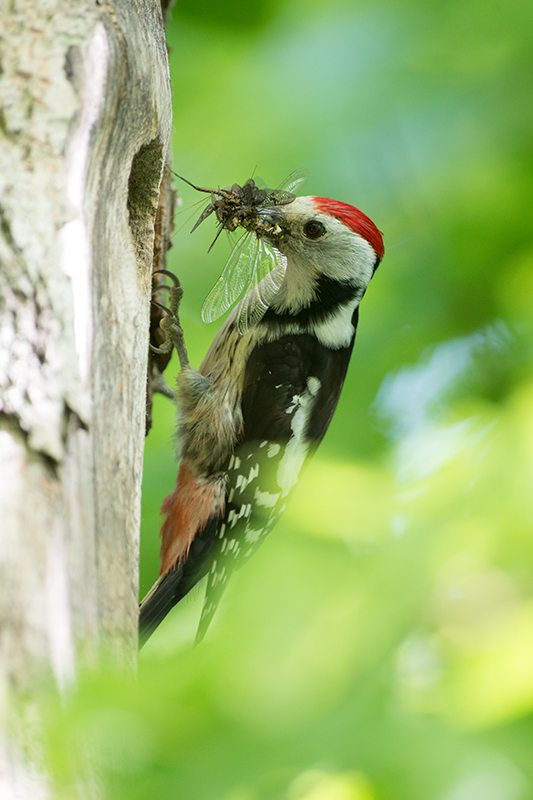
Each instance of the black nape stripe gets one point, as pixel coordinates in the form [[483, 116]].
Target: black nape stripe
[[330, 295]]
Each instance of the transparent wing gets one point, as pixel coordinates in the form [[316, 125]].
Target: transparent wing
[[293, 181], [266, 279], [254, 267], [259, 182], [289, 185], [235, 277]]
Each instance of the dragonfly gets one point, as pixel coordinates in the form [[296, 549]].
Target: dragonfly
[[255, 267]]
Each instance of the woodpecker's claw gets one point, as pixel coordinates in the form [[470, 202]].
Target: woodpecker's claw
[[160, 305], [170, 275], [167, 345], [170, 324]]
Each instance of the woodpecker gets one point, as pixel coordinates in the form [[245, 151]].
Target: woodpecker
[[262, 400]]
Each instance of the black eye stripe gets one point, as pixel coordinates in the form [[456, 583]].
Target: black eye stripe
[[314, 229]]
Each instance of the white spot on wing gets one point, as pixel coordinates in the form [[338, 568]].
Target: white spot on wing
[[234, 516], [252, 536], [295, 403], [297, 447], [242, 482], [266, 499], [254, 472], [313, 384], [273, 450]]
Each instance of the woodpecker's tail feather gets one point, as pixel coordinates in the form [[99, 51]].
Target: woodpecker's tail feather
[[163, 595], [213, 595], [171, 587]]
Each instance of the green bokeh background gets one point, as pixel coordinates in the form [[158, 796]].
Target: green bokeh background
[[380, 644]]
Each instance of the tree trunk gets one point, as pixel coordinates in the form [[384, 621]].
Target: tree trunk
[[84, 134]]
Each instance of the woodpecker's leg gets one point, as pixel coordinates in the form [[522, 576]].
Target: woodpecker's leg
[[170, 324]]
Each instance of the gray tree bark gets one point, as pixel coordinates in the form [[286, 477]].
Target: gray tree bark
[[84, 133]]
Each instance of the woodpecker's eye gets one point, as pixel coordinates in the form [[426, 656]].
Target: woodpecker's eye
[[314, 229]]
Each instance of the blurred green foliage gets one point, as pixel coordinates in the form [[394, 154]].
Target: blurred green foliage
[[380, 645]]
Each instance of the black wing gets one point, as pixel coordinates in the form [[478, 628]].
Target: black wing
[[290, 393]]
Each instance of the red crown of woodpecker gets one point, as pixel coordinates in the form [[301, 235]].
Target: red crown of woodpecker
[[354, 219]]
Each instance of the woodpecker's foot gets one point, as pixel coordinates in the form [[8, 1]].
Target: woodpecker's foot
[[170, 324]]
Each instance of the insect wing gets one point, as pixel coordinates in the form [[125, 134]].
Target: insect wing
[[293, 181], [284, 193], [259, 182], [234, 279], [267, 275]]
